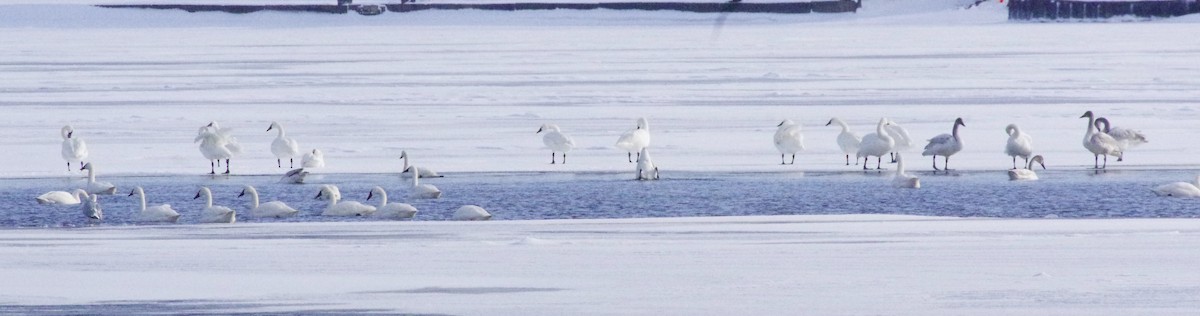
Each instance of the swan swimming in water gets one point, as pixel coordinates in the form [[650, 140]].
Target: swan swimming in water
[[283, 147], [313, 159], [90, 205], [1019, 144], [423, 191], [61, 197], [471, 213], [214, 214], [876, 144], [274, 209], [97, 187], [1027, 173], [945, 145], [1179, 189], [900, 135], [74, 149], [646, 170], [789, 139], [634, 140], [902, 179], [295, 176], [1126, 138], [1100, 144], [335, 207], [421, 171], [556, 141], [390, 210], [846, 140], [157, 213]]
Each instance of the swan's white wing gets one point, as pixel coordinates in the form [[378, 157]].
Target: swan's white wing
[[1127, 135], [396, 210], [57, 198], [899, 134], [626, 141], [939, 140], [159, 213], [558, 141], [1106, 143], [311, 160], [273, 209], [1177, 189]]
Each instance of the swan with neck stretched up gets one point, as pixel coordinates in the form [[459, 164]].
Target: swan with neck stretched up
[[945, 145], [90, 204], [646, 169], [903, 179], [556, 141], [283, 147], [901, 137], [61, 197], [423, 191], [212, 213], [1099, 144], [1019, 144], [634, 140], [157, 213], [336, 207], [74, 149], [789, 139], [471, 213], [1179, 189], [421, 171], [313, 159], [390, 210], [274, 209], [876, 144], [847, 141], [97, 187], [1027, 173], [1126, 138]]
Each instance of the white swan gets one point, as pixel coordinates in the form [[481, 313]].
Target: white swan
[[91, 207], [335, 207], [157, 213], [876, 144], [390, 210], [900, 135], [423, 191], [1179, 189], [214, 214], [848, 141], [1027, 173], [283, 147], [789, 139], [97, 187], [1126, 138], [945, 145], [1100, 144], [556, 141], [1019, 144], [61, 197], [274, 209], [471, 213], [313, 159], [646, 170], [902, 179], [74, 149], [634, 140], [422, 171], [295, 176], [214, 147]]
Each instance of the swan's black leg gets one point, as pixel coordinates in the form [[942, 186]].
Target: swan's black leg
[[864, 162], [1015, 162], [630, 156], [278, 163], [292, 163], [935, 168], [1105, 162], [564, 158], [793, 159], [552, 158], [893, 156], [879, 163], [946, 165], [226, 165], [69, 166], [782, 161], [212, 169], [848, 160], [1096, 162]]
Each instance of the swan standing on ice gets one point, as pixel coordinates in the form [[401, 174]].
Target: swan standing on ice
[[335, 207], [900, 136], [1027, 173], [61, 197], [227, 134], [214, 214], [1179, 189], [646, 170], [945, 145], [91, 207], [390, 210], [423, 191], [295, 176], [788, 140], [846, 140], [902, 179], [471, 213], [876, 144], [157, 213], [216, 144], [1100, 144], [1126, 138], [74, 149], [422, 171], [97, 187], [313, 159], [1019, 144], [634, 140], [556, 141], [274, 209], [283, 147]]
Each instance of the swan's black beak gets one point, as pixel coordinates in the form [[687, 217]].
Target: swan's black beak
[[830, 123], [539, 131], [405, 170], [243, 193], [197, 196], [269, 128], [70, 133], [369, 195], [209, 124], [1086, 114], [780, 124], [319, 194], [83, 167], [131, 192]]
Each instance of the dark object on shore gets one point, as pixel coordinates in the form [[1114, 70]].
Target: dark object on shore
[[829, 6], [1098, 9]]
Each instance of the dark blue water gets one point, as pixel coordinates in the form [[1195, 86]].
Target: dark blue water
[[511, 196]]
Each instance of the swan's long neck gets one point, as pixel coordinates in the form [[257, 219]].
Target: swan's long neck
[[207, 198], [142, 198], [281, 132], [845, 128], [64, 134], [406, 162], [416, 178], [954, 131], [900, 166], [382, 197], [333, 200], [1091, 124], [91, 174], [879, 129], [253, 197]]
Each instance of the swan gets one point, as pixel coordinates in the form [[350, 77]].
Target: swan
[[226, 133], [902, 179], [313, 159], [1100, 144], [471, 213], [283, 147], [274, 209], [876, 144], [214, 147], [91, 207], [1027, 173], [1019, 144], [337, 208], [646, 170], [1125, 137], [945, 145], [294, 176], [214, 214], [788, 140], [846, 140], [97, 187], [635, 139], [157, 213], [423, 191], [390, 210], [61, 197], [556, 141], [900, 135], [424, 172], [74, 149], [1179, 189]]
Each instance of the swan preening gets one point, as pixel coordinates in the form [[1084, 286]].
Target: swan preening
[[421, 171], [789, 139], [945, 145], [313, 159], [876, 144], [157, 213], [471, 213], [1027, 173], [1179, 189], [283, 147], [336, 207], [214, 214], [1019, 144], [295, 176], [902, 179], [900, 136], [217, 143], [61, 197], [556, 141], [74, 149], [423, 191], [90, 204], [846, 140], [636, 139], [97, 187], [390, 210], [1099, 143], [646, 170], [1125, 138], [274, 209]]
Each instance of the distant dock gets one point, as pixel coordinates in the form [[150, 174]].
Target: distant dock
[[799, 7]]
